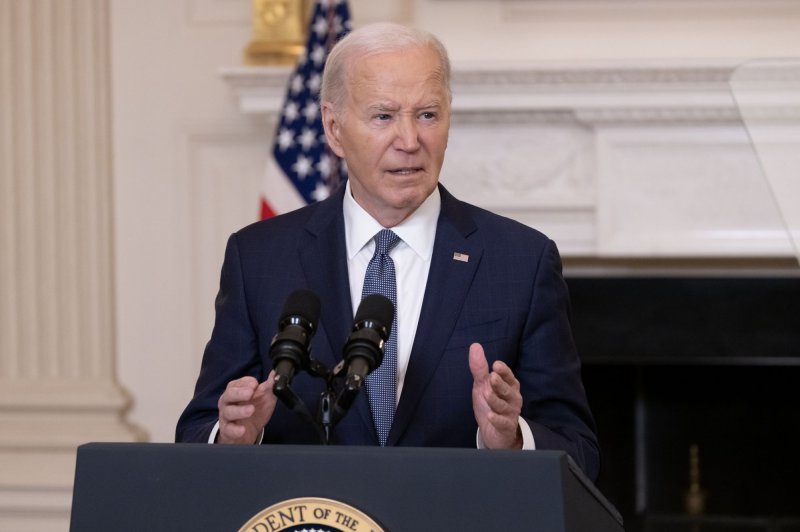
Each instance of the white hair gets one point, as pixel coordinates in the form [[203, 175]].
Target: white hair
[[373, 39]]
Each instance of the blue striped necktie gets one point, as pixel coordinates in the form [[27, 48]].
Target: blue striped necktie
[[382, 383]]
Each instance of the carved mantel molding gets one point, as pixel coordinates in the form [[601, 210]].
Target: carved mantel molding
[[613, 89], [635, 159]]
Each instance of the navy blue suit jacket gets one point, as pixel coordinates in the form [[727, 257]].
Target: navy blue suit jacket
[[509, 296]]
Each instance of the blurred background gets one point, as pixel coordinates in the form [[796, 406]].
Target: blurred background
[[134, 140]]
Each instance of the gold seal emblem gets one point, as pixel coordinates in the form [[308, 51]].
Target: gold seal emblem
[[310, 513]]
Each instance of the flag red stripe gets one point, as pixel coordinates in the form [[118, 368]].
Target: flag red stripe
[[266, 210]]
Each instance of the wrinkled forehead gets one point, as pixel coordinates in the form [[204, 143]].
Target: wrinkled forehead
[[414, 69]]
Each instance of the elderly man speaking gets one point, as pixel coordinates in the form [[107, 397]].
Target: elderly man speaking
[[480, 351]]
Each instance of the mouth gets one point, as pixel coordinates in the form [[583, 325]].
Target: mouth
[[407, 170]]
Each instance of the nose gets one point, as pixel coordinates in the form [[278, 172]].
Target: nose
[[407, 134]]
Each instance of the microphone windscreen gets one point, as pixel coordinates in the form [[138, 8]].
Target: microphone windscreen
[[303, 303], [376, 307]]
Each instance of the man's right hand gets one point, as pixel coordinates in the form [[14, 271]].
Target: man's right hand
[[244, 409]]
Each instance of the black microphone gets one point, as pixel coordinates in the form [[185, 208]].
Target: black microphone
[[289, 348], [363, 351]]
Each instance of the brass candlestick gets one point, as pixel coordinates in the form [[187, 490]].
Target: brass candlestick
[[695, 497], [278, 32]]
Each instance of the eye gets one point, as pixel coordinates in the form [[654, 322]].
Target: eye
[[428, 115], [382, 117]]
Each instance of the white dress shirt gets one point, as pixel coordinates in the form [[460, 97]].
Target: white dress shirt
[[412, 261]]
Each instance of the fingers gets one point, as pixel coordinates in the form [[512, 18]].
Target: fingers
[[238, 391], [232, 432], [503, 383], [496, 401], [237, 412], [239, 399], [501, 368], [499, 389], [478, 365], [506, 402], [265, 388], [503, 424], [244, 408], [264, 399]]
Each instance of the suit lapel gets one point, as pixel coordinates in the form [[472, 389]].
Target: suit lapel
[[449, 280], [324, 263]]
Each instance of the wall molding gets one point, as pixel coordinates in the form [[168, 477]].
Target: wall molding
[[58, 387], [553, 145]]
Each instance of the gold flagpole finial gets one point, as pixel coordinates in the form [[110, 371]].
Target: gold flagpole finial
[[278, 32]]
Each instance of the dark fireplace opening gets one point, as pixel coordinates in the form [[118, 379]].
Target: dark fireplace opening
[[713, 364]]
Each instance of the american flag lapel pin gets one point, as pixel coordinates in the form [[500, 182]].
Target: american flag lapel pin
[[462, 257]]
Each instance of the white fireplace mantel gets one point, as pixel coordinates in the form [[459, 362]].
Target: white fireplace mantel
[[609, 159], [600, 90]]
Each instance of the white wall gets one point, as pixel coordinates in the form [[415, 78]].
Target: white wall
[[612, 29], [168, 101]]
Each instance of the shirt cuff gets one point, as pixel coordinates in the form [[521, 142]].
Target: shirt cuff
[[528, 443], [212, 438]]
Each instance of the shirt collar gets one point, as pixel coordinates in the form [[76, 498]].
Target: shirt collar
[[418, 231]]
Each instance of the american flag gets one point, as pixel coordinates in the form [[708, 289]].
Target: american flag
[[300, 149]]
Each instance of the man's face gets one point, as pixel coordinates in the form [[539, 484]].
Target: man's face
[[392, 131]]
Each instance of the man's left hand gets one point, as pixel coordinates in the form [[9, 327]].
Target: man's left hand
[[496, 400]]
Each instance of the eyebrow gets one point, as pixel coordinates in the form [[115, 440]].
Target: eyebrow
[[382, 107], [385, 106]]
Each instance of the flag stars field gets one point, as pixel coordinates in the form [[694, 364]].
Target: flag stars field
[[299, 147]]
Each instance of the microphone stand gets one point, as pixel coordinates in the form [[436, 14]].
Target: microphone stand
[[324, 421], [333, 404], [292, 401]]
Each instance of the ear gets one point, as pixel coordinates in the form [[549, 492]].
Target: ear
[[332, 126]]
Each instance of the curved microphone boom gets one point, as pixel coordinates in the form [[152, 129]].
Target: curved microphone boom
[[289, 348]]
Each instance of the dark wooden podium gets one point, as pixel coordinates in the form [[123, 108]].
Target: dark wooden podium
[[173, 487]]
